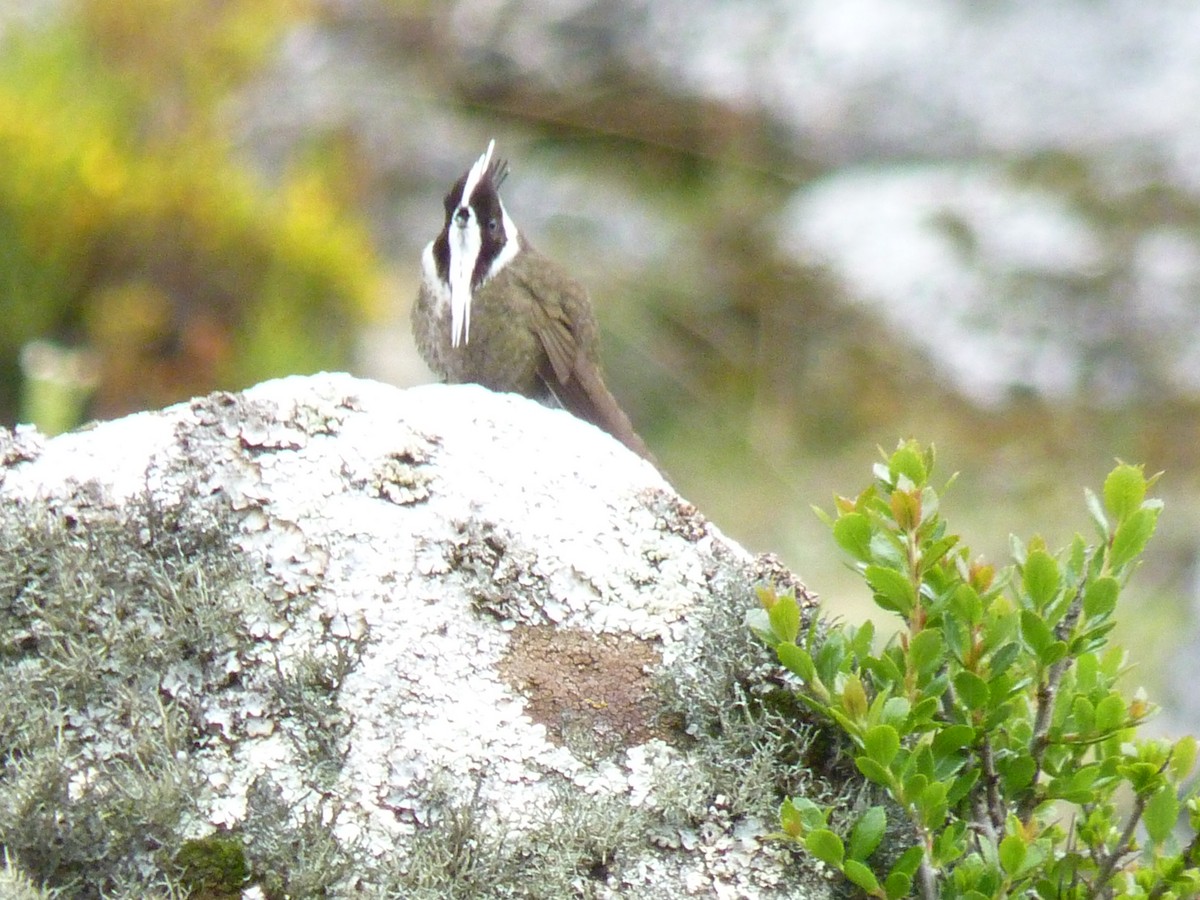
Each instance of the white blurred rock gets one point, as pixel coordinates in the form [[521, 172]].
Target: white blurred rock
[[493, 585]]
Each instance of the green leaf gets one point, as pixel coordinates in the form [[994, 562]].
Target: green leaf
[[1097, 511], [759, 622], [847, 724], [868, 832], [860, 875], [1041, 578], [1183, 757], [897, 885], [938, 549], [1035, 631], [785, 618], [1100, 597], [852, 532], [919, 761], [906, 509], [1110, 713], [1078, 556], [882, 743], [1012, 854], [908, 863], [1052, 653], [933, 804], [966, 605], [1161, 813], [1003, 658], [972, 690], [950, 844], [912, 789], [962, 784], [1007, 710], [885, 670], [825, 846], [874, 772], [953, 738], [959, 641], [862, 638], [893, 591], [1018, 773], [790, 821], [798, 661], [925, 650], [937, 686], [1112, 661], [1084, 714], [895, 711], [1124, 491], [1091, 640], [1087, 672], [811, 815], [854, 698], [1143, 777], [1083, 779], [921, 714], [1131, 536], [830, 656], [1017, 548], [907, 462]]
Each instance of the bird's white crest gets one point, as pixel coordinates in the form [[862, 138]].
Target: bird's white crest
[[465, 243], [475, 173]]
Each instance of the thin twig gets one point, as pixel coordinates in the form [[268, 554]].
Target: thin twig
[[996, 811], [1139, 806], [1123, 847], [1048, 691], [929, 888]]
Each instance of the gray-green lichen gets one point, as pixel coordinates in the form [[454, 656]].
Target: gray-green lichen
[[97, 614]]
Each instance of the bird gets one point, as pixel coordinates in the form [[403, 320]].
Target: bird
[[494, 311]]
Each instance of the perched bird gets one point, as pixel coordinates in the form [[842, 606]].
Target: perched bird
[[495, 311]]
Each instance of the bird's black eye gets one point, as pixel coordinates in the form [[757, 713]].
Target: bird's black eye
[[493, 225]]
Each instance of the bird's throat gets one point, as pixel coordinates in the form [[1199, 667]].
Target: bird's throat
[[465, 244]]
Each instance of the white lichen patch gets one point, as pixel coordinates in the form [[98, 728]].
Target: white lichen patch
[[404, 547]]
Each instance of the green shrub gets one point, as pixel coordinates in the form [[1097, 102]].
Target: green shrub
[[990, 725], [129, 224]]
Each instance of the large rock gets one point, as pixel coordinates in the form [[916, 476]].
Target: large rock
[[435, 642]]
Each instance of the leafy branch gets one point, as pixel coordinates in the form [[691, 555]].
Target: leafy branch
[[993, 712]]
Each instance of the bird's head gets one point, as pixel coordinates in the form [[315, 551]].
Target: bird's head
[[477, 241]]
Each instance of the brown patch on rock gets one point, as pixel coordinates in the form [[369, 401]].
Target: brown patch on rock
[[675, 515], [579, 682]]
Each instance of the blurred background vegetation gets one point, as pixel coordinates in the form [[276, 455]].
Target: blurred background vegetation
[[131, 230], [809, 229]]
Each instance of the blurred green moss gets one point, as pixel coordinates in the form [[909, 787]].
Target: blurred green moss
[[214, 866], [129, 225]]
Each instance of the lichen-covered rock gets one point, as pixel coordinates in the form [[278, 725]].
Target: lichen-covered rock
[[435, 642]]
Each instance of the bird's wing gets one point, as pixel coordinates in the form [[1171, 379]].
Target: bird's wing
[[557, 339], [565, 326]]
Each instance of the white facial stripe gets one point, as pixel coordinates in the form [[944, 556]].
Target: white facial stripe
[[465, 244]]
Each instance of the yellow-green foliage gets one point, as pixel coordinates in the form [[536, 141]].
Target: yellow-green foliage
[[127, 221]]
